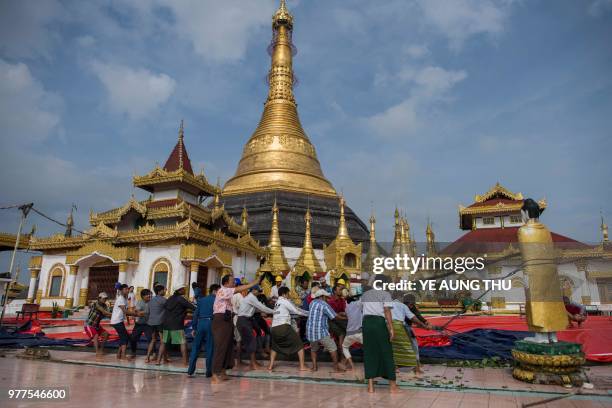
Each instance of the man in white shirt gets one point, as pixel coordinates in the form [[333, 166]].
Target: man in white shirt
[[247, 308], [236, 299], [354, 313], [285, 339], [378, 334], [120, 310]]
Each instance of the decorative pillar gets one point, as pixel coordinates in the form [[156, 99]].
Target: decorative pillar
[[39, 294], [32, 288], [74, 269], [194, 267], [213, 277], [84, 291], [123, 272]]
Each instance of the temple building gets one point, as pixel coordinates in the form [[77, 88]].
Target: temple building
[[492, 222], [173, 238]]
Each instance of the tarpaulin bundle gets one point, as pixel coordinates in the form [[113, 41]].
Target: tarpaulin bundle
[[20, 340], [475, 345]]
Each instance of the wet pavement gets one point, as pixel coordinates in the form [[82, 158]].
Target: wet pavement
[[107, 383]]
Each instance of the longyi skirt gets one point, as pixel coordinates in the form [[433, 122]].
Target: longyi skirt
[[377, 349], [403, 353], [285, 340]]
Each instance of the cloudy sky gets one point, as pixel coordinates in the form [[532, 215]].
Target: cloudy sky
[[420, 104]]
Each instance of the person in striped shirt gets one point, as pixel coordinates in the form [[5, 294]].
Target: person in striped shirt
[[317, 329]]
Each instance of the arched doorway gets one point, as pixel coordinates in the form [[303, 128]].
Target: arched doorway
[[102, 278]]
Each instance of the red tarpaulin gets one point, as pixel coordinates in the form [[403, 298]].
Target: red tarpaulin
[[595, 335]]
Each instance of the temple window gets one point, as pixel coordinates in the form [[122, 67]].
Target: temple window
[[56, 280], [350, 260], [161, 273], [515, 219], [488, 221]]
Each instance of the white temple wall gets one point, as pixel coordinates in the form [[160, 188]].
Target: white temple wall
[[48, 262], [149, 256], [245, 265]]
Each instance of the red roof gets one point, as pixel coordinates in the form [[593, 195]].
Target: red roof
[[179, 158], [497, 239]]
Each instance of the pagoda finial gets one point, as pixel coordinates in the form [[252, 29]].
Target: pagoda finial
[[70, 222], [604, 229], [245, 217], [276, 257], [307, 260], [431, 239], [372, 228], [342, 230], [181, 134]]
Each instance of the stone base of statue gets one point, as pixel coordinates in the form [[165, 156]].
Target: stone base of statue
[[551, 363]]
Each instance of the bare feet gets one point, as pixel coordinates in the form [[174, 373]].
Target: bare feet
[[417, 370], [304, 368], [215, 379], [393, 388]]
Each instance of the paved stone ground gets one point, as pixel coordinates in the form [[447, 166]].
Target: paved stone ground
[[102, 383]]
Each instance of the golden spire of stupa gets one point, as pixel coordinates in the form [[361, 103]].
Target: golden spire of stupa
[[244, 216], [604, 229], [307, 261], [181, 149], [431, 239], [276, 257], [342, 230], [373, 252], [397, 236], [279, 155]]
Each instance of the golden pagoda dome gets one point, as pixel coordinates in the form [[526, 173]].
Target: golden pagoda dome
[[279, 154]]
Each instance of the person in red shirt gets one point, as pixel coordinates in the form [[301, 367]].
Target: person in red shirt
[[575, 312], [337, 302]]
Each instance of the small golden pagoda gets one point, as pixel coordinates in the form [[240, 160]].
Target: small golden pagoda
[[373, 250], [307, 264], [275, 263], [342, 256], [431, 240]]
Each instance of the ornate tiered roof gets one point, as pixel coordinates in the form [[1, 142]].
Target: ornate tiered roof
[[498, 200], [150, 220]]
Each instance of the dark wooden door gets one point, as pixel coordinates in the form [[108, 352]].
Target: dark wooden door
[[203, 278], [102, 279]]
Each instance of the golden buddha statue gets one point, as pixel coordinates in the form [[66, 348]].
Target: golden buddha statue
[[544, 301]]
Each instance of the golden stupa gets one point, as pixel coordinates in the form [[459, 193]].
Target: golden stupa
[[279, 155]]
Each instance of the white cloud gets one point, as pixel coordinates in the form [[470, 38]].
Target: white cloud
[[28, 113], [136, 92], [431, 84], [460, 19]]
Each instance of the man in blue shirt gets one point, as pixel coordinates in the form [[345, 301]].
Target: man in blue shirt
[[317, 329], [202, 330]]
